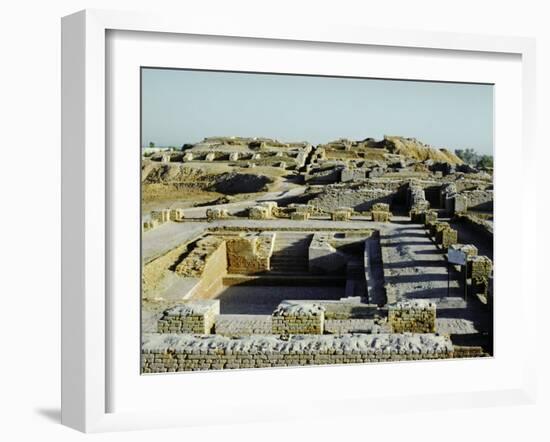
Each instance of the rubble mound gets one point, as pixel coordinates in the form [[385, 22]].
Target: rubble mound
[[233, 183], [152, 173], [412, 148]]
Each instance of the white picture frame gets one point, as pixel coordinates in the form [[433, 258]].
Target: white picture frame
[[86, 317]]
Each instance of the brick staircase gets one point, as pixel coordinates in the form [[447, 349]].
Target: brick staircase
[[290, 252]]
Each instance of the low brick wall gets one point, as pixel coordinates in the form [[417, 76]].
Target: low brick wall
[[467, 249], [148, 225], [264, 210], [192, 317], [438, 226], [298, 318], [296, 216], [176, 214], [380, 216], [416, 316], [446, 237], [216, 213], [163, 353], [341, 214], [380, 212], [258, 212], [468, 352], [430, 217], [161, 216], [479, 267], [359, 200]]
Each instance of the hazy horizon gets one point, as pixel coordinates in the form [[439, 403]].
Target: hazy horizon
[[185, 106]]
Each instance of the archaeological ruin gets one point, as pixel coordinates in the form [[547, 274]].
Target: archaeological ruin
[[260, 253]]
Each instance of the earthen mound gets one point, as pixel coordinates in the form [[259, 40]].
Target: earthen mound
[[233, 183], [412, 148]]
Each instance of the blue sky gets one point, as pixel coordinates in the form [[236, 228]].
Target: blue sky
[[181, 106]]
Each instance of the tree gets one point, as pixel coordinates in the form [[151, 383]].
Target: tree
[[151, 144], [485, 161], [469, 156]]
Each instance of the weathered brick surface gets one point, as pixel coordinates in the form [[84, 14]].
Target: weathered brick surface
[[438, 226], [468, 249], [150, 224], [341, 214], [161, 216], [210, 248], [176, 214], [163, 353], [259, 212], [216, 213], [416, 316], [446, 237], [430, 216], [250, 253], [380, 216], [479, 267], [196, 317], [299, 216], [297, 318]]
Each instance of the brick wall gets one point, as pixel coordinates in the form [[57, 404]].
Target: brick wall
[[193, 317], [416, 316], [169, 353], [296, 318]]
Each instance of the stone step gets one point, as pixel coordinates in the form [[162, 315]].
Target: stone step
[[289, 264], [289, 258], [295, 252], [292, 243], [290, 246]]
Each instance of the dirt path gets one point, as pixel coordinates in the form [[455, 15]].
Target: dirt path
[[414, 268]]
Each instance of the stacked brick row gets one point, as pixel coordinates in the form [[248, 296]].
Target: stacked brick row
[[479, 270], [171, 353], [479, 267], [159, 217], [446, 237], [197, 317], [416, 316], [297, 318], [443, 234], [341, 214], [468, 249], [216, 213], [265, 210], [381, 212], [300, 212], [426, 217], [150, 224]]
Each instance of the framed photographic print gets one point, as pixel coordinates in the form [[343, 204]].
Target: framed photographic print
[[285, 218]]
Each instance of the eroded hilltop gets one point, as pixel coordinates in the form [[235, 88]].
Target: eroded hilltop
[[228, 169]]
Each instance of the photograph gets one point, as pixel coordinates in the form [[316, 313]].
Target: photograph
[[303, 220]]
